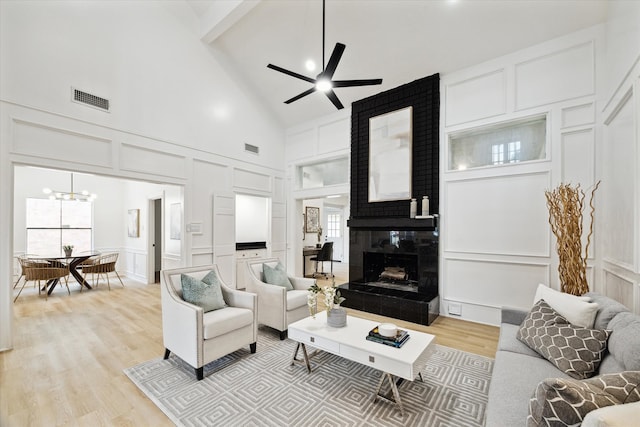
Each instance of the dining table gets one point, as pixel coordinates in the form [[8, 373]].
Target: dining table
[[73, 261]]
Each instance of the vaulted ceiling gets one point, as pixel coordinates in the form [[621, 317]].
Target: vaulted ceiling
[[396, 40]]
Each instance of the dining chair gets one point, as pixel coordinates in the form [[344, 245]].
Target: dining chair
[[325, 254], [22, 268], [102, 265], [42, 269]]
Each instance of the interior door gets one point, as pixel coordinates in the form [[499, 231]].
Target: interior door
[[332, 223]]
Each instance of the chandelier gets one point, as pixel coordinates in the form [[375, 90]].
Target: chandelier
[[83, 196]]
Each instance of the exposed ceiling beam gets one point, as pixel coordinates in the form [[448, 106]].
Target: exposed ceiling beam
[[222, 15]]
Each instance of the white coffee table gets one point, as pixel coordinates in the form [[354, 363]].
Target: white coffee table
[[406, 362]]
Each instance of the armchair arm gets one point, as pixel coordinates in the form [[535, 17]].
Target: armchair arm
[[236, 298], [301, 283], [182, 325]]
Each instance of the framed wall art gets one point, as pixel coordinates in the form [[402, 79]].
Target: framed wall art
[[133, 223], [312, 220], [175, 221]]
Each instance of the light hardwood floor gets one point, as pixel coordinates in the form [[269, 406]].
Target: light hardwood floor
[[70, 351]]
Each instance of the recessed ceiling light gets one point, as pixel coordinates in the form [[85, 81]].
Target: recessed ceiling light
[[310, 65], [333, 196]]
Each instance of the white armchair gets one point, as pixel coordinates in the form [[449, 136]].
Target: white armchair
[[198, 337], [277, 307]]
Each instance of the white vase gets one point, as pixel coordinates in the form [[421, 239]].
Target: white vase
[[337, 317]]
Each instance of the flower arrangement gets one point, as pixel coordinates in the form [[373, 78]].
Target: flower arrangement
[[67, 248], [332, 298]]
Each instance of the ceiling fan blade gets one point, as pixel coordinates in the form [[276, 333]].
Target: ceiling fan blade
[[350, 83], [333, 61], [303, 94], [291, 73], [334, 98]]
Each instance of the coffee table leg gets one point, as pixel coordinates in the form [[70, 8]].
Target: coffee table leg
[[304, 353], [394, 390]]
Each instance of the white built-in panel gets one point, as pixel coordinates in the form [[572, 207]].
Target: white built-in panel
[[476, 98], [251, 180], [578, 115], [578, 158], [559, 76], [617, 287], [498, 215], [208, 178], [493, 283], [619, 187], [38, 140], [144, 160], [279, 194], [299, 144], [224, 235], [334, 136]]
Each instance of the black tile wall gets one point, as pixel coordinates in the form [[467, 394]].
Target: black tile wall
[[424, 96]]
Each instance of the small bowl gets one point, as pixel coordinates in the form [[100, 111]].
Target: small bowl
[[387, 330]]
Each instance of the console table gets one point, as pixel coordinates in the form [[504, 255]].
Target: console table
[[406, 362]]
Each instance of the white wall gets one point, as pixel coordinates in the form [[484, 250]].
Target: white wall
[[177, 118], [618, 249], [496, 243]]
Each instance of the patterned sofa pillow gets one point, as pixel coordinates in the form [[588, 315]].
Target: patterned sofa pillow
[[565, 402], [574, 350]]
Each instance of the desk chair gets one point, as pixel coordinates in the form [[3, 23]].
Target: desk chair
[[325, 254]]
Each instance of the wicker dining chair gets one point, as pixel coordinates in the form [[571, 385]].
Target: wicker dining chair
[[102, 265], [25, 256], [42, 269]]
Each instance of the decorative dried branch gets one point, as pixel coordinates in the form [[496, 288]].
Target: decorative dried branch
[[566, 204]]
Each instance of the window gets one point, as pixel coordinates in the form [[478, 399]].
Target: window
[[512, 149], [321, 174], [333, 225], [54, 223], [504, 143]]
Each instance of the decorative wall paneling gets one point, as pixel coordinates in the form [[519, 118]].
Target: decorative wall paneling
[[564, 74], [145, 160], [498, 245], [498, 215], [579, 115], [620, 288], [61, 144], [492, 283], [481, 97], [249, 180], [620, 185]]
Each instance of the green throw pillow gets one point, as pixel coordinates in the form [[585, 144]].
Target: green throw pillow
[[276, 276], [205, 293]]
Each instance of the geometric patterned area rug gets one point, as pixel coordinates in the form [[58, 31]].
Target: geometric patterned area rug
[[264, 389]]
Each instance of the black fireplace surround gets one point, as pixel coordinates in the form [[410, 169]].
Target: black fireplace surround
[[393, 271], [393, 260]]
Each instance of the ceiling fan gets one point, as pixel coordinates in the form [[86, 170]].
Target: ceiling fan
[[324, 81]]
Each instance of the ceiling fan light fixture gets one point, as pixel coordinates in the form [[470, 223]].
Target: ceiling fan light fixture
[[324, 85]]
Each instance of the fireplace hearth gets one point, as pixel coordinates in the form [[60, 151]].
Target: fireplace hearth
[[393, 269]]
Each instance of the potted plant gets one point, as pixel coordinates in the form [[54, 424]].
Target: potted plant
[[68, 249]]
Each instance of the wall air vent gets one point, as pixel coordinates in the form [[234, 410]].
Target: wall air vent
[[252, 148], [85, 98]]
